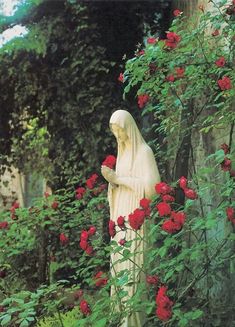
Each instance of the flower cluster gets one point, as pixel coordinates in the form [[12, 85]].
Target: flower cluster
[[136, 218], [188, 192], [91, 181], [110, 161], [172, 40], [142, 100], [226, 164], [80, 191], [13, 208], [84, 239], [164, 304], [100, 279]]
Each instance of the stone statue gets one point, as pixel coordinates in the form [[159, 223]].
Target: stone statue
[[135, 176]]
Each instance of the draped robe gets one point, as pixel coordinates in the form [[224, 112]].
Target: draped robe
[[137, 166]]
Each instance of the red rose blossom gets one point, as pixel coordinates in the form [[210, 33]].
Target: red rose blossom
[[176, 12], [112, 228], [55, 205], [122, 242], [77, 294], [63, 239], [225, 148], [80, 191], [144, 203], [121, 78], [164, 304], [180, 72], [170, 78], [110, 161], [220, 62], [183, 182], [89, 250], [230, 212], [90, 182], [162, 188], [226, 164], [83, 244], [190, 194], [3, 225], [163, 208], [170, 226], [142, 100], [225, 83], [151, 40], [152, 279], [100, 280], [84, 235], [140, 53], [136, 219], [121, 222], [85, 308], [172, 40], [167, 198], [92, 231]]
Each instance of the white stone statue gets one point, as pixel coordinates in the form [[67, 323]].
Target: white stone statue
[[135, 176]]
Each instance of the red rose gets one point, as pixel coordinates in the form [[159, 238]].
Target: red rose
[[2, 308], [80, 192], [121, 78], [167, 198], [46, 194], [55, 205], [122, 242], [63, 239], [172, 40], [180, 71], [151, 40], [89, 250], [226, 164], [85, 308], [183, 182], [170, 78], [178, 217], [215, 33], [176, 12], [170, 226], [112, 228], [121, 222], [190, 194], [225, 83], [110, 161], [83, 244], [162, 188], [140, 53], [144, 203], [77, 294], [100, 280], [225, 147], [92, 231], [163, 314], [152, 279], [163, 209], [90, 182], [136, 219], [230, 212], [84, 235], [220, 62], [3, 225], [142, 100], [162, 299]]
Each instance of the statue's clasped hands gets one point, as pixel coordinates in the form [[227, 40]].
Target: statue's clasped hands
[[109, 174]]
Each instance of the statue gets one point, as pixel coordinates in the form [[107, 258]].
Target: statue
[[135, 176]]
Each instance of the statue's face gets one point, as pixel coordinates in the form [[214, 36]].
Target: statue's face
[[119, 133]]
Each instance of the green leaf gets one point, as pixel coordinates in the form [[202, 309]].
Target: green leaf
[[101, 323], [6, 319]]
